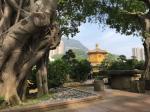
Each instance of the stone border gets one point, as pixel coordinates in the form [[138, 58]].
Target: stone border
[[76, 84], [41, 107]]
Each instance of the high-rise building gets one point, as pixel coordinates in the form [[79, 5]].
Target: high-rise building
[[59, 50], [138, 53]]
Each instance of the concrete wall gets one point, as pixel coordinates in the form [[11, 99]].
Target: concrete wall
[[127, 83]]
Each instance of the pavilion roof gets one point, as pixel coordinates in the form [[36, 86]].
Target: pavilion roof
[[97, 50]]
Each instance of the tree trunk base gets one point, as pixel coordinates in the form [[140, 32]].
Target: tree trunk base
[[14, 100]]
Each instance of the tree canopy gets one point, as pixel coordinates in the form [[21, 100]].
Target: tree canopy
[[124, 15], [121, 63], [71, 13], [129, 17]]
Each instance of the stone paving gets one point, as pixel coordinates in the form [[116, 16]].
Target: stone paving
[[68, 94], [113, 101]]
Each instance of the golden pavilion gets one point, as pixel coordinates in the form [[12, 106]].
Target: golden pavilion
[[96, 57]]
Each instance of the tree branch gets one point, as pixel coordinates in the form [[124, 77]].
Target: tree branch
[[13, 4], [48, 42], [140, 15], [1, 11], [132, 13], [35, 58], [19, 11], [5, 20], [31, 5]]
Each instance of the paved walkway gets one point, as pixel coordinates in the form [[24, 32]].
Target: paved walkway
[[113, 101]]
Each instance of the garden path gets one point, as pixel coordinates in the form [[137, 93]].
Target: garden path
[[113, 101]]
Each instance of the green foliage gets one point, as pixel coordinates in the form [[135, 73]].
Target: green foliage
[[57, 57], [71, 13], [140, 65], [58, 71], [69, 56], [110, 58], [74, 55], [1, 100], [123, 15], [123, 64], [119, 14], [81, 70], [32, 79], [122, 58], [80, 54]]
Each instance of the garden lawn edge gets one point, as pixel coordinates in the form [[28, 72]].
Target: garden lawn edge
[[41, 107]]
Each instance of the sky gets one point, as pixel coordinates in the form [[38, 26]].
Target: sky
[[115, 43]]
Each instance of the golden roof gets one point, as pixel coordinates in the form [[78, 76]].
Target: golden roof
[[97, 50]]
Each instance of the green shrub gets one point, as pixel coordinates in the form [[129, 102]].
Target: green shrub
[[81, 71], [1, 100], [32, 79], [122, 64], [57, 73]]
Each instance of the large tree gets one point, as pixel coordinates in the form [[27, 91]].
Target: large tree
[[28, 30], [129, 17]]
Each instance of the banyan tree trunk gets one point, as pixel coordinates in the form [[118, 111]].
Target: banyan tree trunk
[[23, 44], [22, 87], [41, 76]]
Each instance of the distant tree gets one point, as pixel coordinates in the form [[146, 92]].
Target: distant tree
[[140, 65], [80, 54], [107, 62], [70, 59], [131, 63], [122, 58], [129, 17], [81, 70], [57, 57], [113, 62], [58, 71], [69, 56]]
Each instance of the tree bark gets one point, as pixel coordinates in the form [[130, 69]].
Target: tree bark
[[42, 81], [146, 44], [5, 18], [146, 35], [22, 88], [21, 48], [9, 78]]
